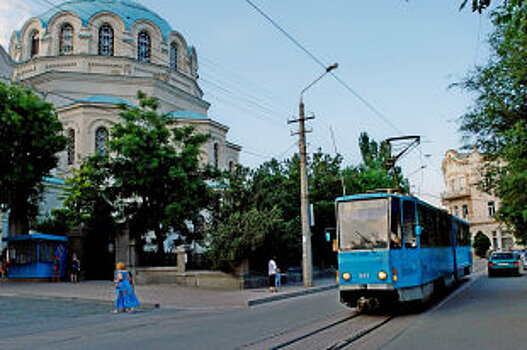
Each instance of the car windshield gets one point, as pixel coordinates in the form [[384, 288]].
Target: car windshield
[[363, 224], [502, 256]]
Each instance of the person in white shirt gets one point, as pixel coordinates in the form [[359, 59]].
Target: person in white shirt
[[272, 275]]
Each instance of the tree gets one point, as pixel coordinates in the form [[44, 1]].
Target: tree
[[151, 176], [240, 235], [31, 137], [481, 244], [497, 123]]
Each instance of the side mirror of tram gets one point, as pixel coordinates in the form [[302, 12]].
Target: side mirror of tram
[[418, 230]]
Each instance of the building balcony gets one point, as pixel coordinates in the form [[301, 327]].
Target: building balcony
[[452, 195]]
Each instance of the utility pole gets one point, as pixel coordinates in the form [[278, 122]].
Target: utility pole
[[307, 259]]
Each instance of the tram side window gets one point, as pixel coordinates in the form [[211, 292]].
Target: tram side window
[[457, 232], [395, 225], [444, 229], [423, 216], [410, 238], [465, 235]]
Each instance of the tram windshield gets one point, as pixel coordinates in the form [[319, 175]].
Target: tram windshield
[[363, 224]]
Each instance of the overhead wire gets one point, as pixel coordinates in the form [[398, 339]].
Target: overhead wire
[[324, 65]]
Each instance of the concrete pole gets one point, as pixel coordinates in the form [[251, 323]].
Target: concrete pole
[[307, 260]]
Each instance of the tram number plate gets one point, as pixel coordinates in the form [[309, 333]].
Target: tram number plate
[[364, 275]]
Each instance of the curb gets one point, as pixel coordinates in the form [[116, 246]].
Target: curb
[[312, 290]]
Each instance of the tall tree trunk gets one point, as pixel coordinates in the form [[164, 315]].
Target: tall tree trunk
[[18, 221], [160, 239]]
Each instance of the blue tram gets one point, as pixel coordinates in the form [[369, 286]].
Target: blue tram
[[397, 248]]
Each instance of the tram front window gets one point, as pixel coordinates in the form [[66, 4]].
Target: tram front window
[[363, 224]]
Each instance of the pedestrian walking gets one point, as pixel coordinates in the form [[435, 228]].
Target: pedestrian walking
[[272, 275], [125, 298], [278, 279], [75, 268]]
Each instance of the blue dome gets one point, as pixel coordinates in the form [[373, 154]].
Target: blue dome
[[129, 11]]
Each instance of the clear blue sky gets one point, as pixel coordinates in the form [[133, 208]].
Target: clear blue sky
[[399, 55]]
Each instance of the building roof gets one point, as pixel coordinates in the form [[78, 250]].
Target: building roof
[[129, 11], [40, 236], [103, 99], [186, 115]]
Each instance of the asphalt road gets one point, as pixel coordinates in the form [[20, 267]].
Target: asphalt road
[[483, 314]]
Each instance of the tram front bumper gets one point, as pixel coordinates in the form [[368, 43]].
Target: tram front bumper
[[372, 286]]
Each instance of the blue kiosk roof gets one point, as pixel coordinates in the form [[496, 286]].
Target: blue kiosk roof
[[36, 236]]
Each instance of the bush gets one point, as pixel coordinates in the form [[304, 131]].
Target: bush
[[481, 244]]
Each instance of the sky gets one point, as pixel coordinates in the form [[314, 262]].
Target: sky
[[397, 57]]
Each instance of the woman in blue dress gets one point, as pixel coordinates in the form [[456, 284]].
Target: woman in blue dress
[[125, 299]]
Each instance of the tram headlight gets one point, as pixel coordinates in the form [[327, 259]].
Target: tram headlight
[[382, 275], [346, 276]]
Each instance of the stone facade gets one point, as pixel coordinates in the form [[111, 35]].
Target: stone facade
[[87, 56], [464, 199]]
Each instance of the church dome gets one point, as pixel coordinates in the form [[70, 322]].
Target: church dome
[[128, 11]]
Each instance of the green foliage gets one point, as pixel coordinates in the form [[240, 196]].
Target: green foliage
[[31, 137], [274, 187], [481, 244], [151, 178], [240, 235], [496, 124]]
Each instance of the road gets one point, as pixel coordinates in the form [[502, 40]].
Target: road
[[483, 314]]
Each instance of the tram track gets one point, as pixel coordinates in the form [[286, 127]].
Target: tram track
[[335, 334]]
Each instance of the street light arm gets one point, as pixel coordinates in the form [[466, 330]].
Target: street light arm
[[328, 69]]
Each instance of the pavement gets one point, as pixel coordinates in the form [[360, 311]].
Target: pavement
[[168, 296]]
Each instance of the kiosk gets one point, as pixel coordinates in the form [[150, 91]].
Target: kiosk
[[36, 257]]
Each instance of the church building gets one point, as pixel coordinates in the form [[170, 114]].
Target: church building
[[87, 57]]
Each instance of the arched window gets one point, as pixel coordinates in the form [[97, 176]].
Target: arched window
[[106, 40], [173, 55], [71, 146], [34, 44], [66, 39], [101, 137], [143, 47], [216, 155], [231, 166]]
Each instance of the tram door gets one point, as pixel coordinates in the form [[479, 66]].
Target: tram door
[[411, 254]]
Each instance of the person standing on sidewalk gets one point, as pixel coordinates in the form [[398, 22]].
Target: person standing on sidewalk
[[272, 275], [125, 299], [75, 269]]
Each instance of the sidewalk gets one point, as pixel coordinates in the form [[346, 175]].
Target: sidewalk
[[172, 296], [161, 295]]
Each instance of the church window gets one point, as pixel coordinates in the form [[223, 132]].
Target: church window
[[216, 155], [143, 47], [66, 39], [106, 40], [71, 146], [173, 55], [231, 166], [101, 138], [35, 43]]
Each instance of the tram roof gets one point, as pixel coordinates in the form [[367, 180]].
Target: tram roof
[[361, 196], [373, 195]]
